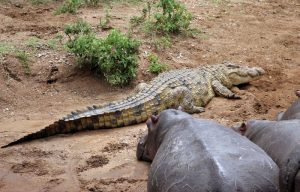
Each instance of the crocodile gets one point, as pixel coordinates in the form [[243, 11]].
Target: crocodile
[[191, 89]]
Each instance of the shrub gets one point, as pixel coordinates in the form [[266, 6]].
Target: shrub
[[92, 3], [69, 6], [169, 17], [155, 66], [87, 48], [118, 58], [163, 42], [105, 24], [78, 28], [23, 58], [115, 57], [173, 18], [5, 49], [33, 42]]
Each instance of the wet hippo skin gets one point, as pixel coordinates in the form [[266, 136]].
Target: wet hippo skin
[[190, 154]]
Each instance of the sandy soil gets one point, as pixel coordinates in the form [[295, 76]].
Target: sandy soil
[[261, 33]]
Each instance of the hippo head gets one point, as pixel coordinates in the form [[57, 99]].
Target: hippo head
[[250, 127], [158, 126], [242, 74]]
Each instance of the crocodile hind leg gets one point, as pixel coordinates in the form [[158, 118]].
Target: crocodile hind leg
[[140, 87], [182, 96], [223, 91]]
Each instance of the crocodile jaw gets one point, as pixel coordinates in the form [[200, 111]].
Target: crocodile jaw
[[243, 74]]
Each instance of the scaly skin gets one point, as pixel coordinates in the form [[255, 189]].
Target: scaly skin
[[191, 89]]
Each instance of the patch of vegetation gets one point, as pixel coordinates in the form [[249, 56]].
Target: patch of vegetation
[[163, 42], [169, 17], [79, 28], [39, 2], [115, 56], [33, 42], [92, 3], [105, 24], [5, 48], [87, 48], [217, 2], [52, 43], [156, 66], [69, 6], [118, 60], [24, 59], [55, 43]]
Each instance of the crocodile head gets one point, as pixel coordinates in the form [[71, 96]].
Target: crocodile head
[[242, 74]]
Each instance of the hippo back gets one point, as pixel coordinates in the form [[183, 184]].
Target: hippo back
[[281, 141], [293, 112], [201, 155]]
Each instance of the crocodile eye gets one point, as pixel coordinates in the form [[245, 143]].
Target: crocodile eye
[[231, 65]]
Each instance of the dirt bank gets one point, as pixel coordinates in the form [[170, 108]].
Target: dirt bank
[[261, 33]]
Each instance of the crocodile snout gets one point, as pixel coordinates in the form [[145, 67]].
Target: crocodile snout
[[256, 71]]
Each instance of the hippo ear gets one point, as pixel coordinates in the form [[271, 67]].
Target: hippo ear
[[154, 118], [243, 128], [297, 93]]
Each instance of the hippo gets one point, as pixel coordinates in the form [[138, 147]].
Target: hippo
[[190, 154], [281, 141], [293, 112]]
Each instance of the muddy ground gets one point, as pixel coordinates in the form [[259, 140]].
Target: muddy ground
[[263, 33]]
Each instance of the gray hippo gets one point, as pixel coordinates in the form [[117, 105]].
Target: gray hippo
[[293, 112], [281, 141], [190, 154]]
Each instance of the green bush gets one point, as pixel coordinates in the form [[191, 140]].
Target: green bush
[[163, 42], [155, 66], [115, 57], [169, 17], [86, 48], [78, 28], [92, 3], [69, 6], [174, 17], [118, 58], [5, 48], [23, 57], [105, 24]]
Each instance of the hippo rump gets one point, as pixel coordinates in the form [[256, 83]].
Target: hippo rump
[[281, 141], [190, 154], [293, 112]]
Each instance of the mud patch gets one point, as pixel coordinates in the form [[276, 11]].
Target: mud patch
[[53, 183], [113, 147], [119, 184], [37, 168], [260, 108], [94, 162], [35, 152]]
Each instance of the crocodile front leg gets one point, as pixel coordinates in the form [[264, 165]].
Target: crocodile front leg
[[182, 96], [223, 91]]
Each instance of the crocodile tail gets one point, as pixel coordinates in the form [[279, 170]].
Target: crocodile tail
[[46, 132], [80, 121]]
